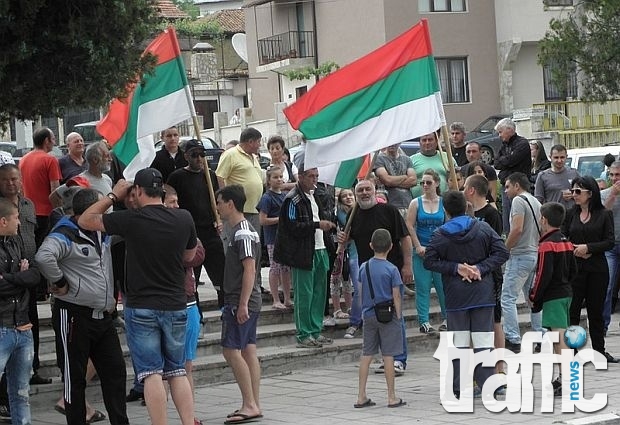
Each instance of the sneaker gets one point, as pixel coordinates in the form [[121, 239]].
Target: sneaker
[[515, 347], [557, 386], [39, 380], [350, 332], [399, 368], [444, 326], [329, 321], [323, 340], [610, 358], [5, 413], [426, 328], [309, 343], [380, 369], [500, 391], [134, 396]]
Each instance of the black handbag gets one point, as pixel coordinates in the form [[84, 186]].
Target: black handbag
[[384, 311]]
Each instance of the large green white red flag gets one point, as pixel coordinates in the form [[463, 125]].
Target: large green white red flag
[[386, 97], [160, 100]]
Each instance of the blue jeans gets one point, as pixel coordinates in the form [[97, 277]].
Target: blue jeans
[[403, 357], [355, 317], [156, 340], [518, 276], [613, 262], [16, 354]]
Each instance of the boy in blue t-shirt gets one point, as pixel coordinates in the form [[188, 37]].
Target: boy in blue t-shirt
[[387, 285]]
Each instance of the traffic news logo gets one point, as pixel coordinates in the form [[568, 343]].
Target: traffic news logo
[[519, 376]]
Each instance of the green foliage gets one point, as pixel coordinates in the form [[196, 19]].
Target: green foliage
[[194, 28], [589, 38], [304, 73], [70, 53], [188, 7]]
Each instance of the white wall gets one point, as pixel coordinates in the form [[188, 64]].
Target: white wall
[[289, 87], [527, 79], [527, 20]]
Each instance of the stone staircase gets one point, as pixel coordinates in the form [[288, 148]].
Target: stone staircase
[[275, 341]]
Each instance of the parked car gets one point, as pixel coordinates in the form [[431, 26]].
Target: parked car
[[9, 147], [485, 134], [589, 161], [88, 131]]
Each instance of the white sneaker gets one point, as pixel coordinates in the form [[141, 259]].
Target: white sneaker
[[399, 368], [329, 321]]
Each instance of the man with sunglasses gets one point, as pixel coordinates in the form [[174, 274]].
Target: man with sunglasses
[[193, 192]]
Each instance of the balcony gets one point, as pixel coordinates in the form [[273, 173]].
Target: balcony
[[288, 50]]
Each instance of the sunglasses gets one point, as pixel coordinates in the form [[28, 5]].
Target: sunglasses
[[197, 154], [426, 182], [578, 191]]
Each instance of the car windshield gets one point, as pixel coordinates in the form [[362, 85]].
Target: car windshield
[[487, 126], [591, 165]]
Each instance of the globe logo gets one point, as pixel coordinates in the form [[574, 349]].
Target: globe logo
[[575, 336]]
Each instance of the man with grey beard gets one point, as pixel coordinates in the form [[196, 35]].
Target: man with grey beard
[[99, 161], [369, 217]]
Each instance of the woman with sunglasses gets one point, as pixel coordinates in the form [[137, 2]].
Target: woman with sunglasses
[[425, 214], [589, 226]]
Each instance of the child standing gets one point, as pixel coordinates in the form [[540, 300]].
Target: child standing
[[269, 210], [552, 292], [387, 337]]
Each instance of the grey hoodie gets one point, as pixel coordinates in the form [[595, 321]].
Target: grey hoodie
[[69, 255]]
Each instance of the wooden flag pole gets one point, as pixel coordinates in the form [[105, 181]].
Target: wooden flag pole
[[452, 183], [205, 162]]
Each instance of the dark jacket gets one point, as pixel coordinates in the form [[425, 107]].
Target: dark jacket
[[597, 234], [514, 156], [14, 284], [166, 164], [556, 266], [295, 236], [466, 240]]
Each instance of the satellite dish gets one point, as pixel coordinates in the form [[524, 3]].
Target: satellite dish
[[239, 43]]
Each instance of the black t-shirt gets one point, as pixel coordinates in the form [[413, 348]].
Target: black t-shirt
[[491, 216], [381, 216], [156, 238], [193, 194]]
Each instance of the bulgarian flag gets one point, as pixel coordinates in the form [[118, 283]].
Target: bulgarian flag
[[161, 100], [386, 97]]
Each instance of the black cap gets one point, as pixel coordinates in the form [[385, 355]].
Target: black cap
[[193, 144], [149, 177]]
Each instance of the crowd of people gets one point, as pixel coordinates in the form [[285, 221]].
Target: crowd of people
[[76, 230]]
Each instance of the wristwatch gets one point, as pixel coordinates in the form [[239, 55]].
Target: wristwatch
[[112, 197]]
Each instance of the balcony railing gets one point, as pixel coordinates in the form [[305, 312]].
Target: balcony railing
[[292, 44]]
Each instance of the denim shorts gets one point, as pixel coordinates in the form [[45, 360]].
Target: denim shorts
[[156, 340], [234, 335], [192, 332]]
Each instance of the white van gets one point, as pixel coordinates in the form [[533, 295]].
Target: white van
[[589, 161]]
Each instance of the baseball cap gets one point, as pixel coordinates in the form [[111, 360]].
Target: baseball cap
[[149, 177], [80, 181], [193, 144]]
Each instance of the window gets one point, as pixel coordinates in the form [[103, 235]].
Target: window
[[441, 6], [554, 93], [560, 3], [453, 79]]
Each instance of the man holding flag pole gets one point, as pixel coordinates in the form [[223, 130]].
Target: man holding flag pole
[[158, 101]]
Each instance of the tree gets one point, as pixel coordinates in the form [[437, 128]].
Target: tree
[[71, 53], [188, 7], [587, 39]]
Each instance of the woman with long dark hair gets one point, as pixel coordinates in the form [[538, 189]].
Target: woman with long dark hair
[[589, 226]]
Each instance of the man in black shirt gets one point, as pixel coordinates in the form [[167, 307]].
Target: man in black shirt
[[170, 157]]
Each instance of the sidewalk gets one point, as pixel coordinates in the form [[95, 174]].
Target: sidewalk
[[326, 396]]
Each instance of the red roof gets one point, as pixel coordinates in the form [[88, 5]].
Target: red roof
[[231, 20], [167, 9]]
